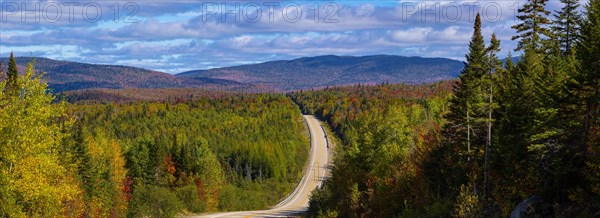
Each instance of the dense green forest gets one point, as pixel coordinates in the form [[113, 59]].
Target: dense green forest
[[503, 134], [509, 132], [139, 158], [387, 132]]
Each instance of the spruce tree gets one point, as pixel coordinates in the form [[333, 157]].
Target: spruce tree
[[587, 51], [31, 170], [556, 156], [464, 116], [12, 74], [513, 123], [588, 91], [566, 25], [494, 64], [517, 105], [533, 29]]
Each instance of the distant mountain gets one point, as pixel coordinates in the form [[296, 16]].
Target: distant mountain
[[331, 70], [65, 76], [285, 75], [515, 60]]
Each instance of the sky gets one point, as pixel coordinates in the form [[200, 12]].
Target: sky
[[182, 35]]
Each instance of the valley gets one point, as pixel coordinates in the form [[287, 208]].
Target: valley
[[324, 110]]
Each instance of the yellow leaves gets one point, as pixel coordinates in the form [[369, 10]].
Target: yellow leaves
[[354, 201], [213, 179], [30, 138], [97, 207], [41, 184], [106, 159], [118, 175], [468, 203]]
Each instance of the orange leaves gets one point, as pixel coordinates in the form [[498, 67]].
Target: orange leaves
[[169, 164], [200, 186]]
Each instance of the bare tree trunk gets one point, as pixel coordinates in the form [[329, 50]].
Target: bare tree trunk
[[468, 136], [489, 138]]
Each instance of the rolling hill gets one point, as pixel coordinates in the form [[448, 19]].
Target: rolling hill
[[66, 76], [331, 70], [284, 75]]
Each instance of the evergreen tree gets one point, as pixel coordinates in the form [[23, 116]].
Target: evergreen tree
[[12, 74], [138, 161], [34, 181], [566, 25], [556, 156], [464, 116], [513, 124], [494, 65], [587, 51], [533, 26], [588, 90]]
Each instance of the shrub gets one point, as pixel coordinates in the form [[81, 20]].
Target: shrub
[[154, 201], [189, 195]]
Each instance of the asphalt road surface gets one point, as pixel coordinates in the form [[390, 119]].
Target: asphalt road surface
[[316, 170]]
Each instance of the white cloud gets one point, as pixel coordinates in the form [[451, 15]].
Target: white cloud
[[413, 35], [370, 27]]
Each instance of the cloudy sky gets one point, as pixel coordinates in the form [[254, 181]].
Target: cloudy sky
[[181, 35]]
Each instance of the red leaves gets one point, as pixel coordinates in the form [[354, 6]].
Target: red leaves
[[200, 186], [169, 164], [127, 188]]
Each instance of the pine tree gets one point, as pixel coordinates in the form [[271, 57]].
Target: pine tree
[[588, 89], [587, 51], [557, 156], [566, 25], [494, 64], [12, 75], [533, 29], [463, 116], [31, 171], [512, 126]]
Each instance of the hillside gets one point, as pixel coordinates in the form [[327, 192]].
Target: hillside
[[65, 76], [331, 70], [284, 75], [172, 95]]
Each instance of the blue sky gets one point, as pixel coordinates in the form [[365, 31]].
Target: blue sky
[[176, 36]]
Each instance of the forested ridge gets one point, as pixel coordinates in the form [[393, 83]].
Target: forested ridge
[[387, 132], [503, 139], [509, 132], [279, 75], [333, 70], [144, 158]]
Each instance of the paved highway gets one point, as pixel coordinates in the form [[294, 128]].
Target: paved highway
[[314, 174]]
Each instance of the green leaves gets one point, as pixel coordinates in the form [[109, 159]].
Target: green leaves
[[587, 92], [33, 177], [210, 145], [385, 129], [533, 29], [566, 25], [12, 84]]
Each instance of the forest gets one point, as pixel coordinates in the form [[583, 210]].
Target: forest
[[144, 158], [508, 132], [387, 132], [502, 135]]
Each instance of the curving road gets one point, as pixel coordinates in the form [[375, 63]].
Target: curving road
[[316, 171]]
